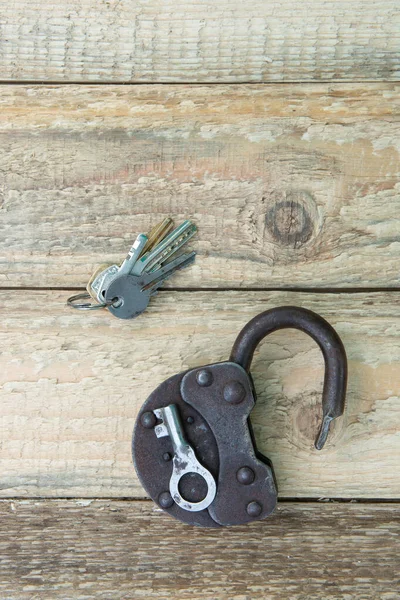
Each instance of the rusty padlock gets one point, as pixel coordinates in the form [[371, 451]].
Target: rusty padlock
[[193, 446]]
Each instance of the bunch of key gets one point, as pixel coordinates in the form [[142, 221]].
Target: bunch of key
[[126, 289]]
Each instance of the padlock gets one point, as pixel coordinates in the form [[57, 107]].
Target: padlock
[[193, 446]]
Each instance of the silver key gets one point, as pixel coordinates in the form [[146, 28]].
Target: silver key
[[103, 280], [184, 460], [131, 293], [153, 280], [165, 249], [127, 299], [133, 254]]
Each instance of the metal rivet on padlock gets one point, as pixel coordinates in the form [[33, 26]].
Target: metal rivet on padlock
[[193, 446]]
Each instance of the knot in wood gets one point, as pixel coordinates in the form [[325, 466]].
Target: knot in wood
[[290, 219]]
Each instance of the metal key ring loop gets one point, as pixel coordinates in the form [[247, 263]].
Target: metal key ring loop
[[87, 305]]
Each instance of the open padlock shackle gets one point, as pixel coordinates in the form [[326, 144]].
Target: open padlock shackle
[[335, 382]]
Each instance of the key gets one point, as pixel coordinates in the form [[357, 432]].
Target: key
[[131, 294], [165, 249], [97, 273], [157, 234], [153, 280], [174, 242], [104, 278], [133, 254], [184, 460], [97, 286], [128, 298]]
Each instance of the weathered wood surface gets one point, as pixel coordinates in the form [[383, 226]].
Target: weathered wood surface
[[291, 185], [177, 40], [73, 384], [125, 550]]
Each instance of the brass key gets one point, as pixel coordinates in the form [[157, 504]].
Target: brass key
[[157, 234]]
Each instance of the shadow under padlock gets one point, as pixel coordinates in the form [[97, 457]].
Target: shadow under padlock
[[193, 445]]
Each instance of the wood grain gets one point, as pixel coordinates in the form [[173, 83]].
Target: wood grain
[[123, 550], [72, 385], [290, 185], [226, 41]]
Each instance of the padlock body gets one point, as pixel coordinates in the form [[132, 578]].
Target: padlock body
[[214, 402]]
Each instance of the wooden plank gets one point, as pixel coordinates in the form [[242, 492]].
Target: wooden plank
[[121, 550], [291, 185], [72, 384], [227, 41]]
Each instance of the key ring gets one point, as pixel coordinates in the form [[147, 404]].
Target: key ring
[[87, 305]]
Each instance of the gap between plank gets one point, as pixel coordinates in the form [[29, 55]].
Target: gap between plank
[[282, 500], [301, 290], [27, 82]]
